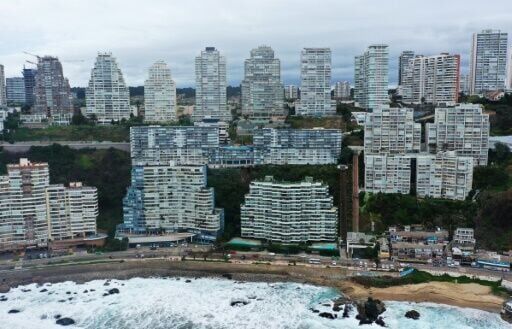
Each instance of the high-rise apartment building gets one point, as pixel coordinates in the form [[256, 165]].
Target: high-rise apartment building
[[211, 86], [52, 94], [432, 79], [488, 63], [29, 79], [463, 129], [291, 92], [387, 173], [35, 213], [509, 73], [464, 84], [342, 90], [289, 212], [71, 211], [371, 77], [444, 175], [159, 94], [3, 96], [403, 62], [262, 90], [107, 96], [390, 130], [315, 88], [172, 198], [15, 90]]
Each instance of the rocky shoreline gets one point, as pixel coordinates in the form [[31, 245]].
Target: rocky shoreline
[[471, 295]]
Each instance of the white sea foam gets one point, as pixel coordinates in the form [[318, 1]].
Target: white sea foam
[[206, 303]]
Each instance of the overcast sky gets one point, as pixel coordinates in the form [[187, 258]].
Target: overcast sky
[[141, 32]]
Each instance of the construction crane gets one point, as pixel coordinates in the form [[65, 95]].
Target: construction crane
[[37, 56], [66, 61]]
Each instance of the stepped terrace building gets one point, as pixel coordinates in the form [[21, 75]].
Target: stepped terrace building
[[463, 129], [171, 198], [287, 212]]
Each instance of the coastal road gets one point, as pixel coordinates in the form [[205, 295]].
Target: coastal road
[[21, 147]]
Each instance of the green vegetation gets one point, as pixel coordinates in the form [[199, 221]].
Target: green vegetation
[[500, 113], [299, 122], [417, 277], [71, 133]]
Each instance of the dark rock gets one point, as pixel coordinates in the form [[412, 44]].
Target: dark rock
[[68, 292], [65, 321], [412, 314], [70, 298], [188, 281], [336, 308], [346, 311], [314, 310], [57, 316], [93, 290], [228, 276], [62, 300], [43, 317], [86, 291], [380, 321], [25, 290], [43, 290], [113, 291], [13, 311], [327, 315], [106, 284], [239, 302], [3, 299], [325, 304], [370, 310], [105, 294]]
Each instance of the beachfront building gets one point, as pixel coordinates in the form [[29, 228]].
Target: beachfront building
[[391, 131], [488, 62], [444, 175], [387, 174], [107, 96], [159, 94], [315, 87], [211, 86], [71, 211], [262, 90], [463, 129], [289, 212], [35, 213], [157, 145], [171, 198], [431, 79], [52, 94], [371, 77], [297, 146]]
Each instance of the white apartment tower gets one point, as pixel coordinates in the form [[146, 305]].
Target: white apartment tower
[[488, 61], [159, 94], [390, 130], [315, 88], [262, 90], [387, 174], [403, 62], [342, 90], [71, 211], [211, 86], [289, 212], [444, 175], [291, 92], [432, 79], [371, 77], [463, 129], [3, 95], [107, 96]]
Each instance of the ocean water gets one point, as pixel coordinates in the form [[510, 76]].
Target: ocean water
[[159, 303]]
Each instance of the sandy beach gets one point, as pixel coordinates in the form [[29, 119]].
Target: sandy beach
[[462, 295]]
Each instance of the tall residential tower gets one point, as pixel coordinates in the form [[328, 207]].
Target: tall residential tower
[[371, 77], [159, 94]]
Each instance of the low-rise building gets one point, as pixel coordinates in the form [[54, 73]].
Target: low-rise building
[[289, 212], [464, 239], [417, 251]]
